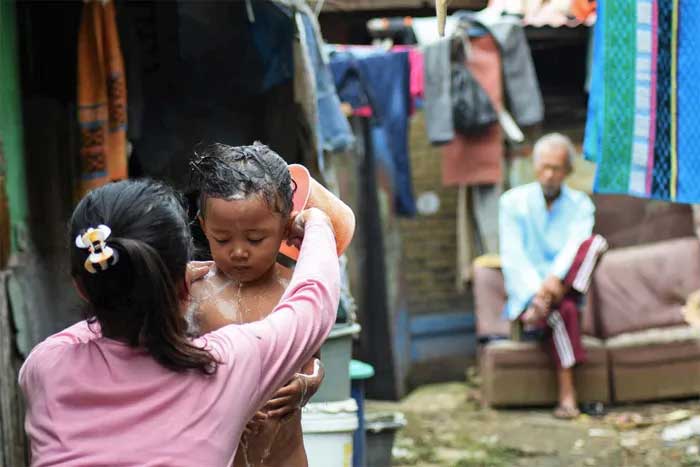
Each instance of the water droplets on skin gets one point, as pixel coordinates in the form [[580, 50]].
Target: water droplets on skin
[[191, 318], [282, 281], [225, 294], [266, 453], [244, 446]]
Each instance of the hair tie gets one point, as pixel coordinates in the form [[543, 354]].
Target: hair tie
[[94, 239]]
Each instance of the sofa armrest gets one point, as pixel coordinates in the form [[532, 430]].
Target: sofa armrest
[[490, 299]]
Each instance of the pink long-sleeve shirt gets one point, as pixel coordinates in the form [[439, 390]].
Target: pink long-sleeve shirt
[[93, 401]]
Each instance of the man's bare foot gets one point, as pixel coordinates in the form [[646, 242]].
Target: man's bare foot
[[564, 412], [568, 407]]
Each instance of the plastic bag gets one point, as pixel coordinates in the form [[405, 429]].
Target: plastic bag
[[472, 110]]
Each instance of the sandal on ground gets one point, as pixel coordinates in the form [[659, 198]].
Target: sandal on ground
[[566, 413]]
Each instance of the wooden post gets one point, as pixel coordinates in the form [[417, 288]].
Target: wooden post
[[12, 438]]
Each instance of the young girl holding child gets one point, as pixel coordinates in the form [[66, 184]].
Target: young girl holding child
[[127, 386], [245, 213]]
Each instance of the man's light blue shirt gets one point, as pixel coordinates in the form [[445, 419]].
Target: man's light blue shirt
[[535, 242]]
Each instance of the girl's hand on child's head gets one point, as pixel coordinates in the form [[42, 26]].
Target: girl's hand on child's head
[[296, 231]]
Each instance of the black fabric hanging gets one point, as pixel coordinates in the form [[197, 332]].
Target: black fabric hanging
[[472, 110]]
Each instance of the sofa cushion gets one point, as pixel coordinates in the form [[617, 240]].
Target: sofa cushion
[[655, 364], [645, 286], [517, 354], [522, 373], [658, 345], [654, 336]]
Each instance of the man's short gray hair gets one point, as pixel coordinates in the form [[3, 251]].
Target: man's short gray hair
[[554, 139]]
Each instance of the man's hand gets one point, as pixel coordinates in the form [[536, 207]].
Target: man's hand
[[539, 307], [556, 289]]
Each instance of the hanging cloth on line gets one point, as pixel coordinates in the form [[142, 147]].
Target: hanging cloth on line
[[478, 159], [642, 120], [371, 76], [101, 98]]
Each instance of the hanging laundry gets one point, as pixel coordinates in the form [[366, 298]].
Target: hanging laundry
[[438, 104], [478, 159], [644, 93], [334, 130], [102, 100], [416, 61], [687, 76], [477, 227], [381, 79], [472, 111], [519, 76]]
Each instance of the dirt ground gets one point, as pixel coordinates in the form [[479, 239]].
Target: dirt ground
[[447, 426]]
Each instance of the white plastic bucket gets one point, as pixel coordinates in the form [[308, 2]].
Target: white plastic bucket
[[328, 428]]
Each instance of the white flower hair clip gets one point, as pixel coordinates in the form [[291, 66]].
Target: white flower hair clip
[[94, 239]]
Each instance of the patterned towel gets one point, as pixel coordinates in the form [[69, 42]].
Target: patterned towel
[[642, 117], [101, 98], [688, 100]]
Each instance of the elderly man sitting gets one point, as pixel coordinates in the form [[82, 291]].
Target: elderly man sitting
[[547, 256]]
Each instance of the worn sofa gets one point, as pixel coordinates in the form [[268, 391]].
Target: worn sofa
[[639, 347]]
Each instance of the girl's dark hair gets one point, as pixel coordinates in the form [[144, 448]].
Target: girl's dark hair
[[136, 300], [228, 172]]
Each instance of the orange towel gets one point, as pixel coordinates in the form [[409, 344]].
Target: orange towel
[[101, 98]]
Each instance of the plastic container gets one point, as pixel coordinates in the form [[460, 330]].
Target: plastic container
[[311, 194], [336, 353], [381, 429], [328, 428]]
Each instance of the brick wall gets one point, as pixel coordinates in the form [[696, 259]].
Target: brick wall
[[428, 242]]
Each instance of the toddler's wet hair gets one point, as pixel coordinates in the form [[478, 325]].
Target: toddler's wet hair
[[237, 172]]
